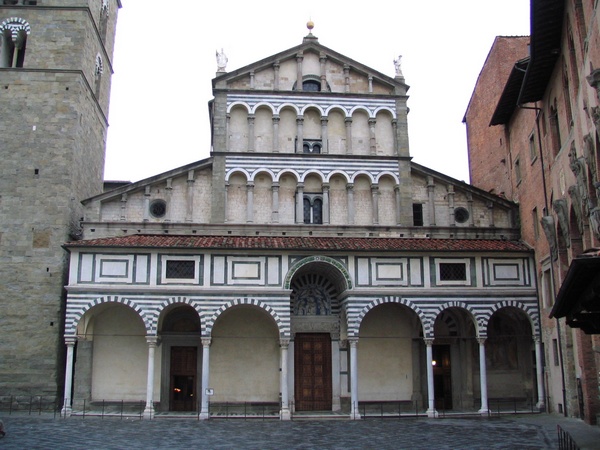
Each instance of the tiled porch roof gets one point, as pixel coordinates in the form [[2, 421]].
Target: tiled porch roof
[[378, 244]]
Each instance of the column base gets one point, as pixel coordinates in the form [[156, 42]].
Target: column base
[[66, 411], [484, 411], [148, 413], [541, 406], [355, 415], [285, 414], [204, 415], [432, 413]]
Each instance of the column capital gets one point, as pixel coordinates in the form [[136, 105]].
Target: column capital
[[325, 186], [348, 121], [284, 342], [70, 340], [349, 186], [537, 339], [353, 342], [299, 119], [481, 340], [206, 341], [250, 184], [152, 341], [428, 341], [276, 118]]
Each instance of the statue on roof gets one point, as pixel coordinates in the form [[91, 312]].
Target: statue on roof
[[221, 61], [398, 65]]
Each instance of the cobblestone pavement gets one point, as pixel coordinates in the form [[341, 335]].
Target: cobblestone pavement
[[39, 432]]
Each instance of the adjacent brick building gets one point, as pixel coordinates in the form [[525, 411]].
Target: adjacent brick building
[[533, 134]]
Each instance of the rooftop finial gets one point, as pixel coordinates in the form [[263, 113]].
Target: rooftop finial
[[310, 25]]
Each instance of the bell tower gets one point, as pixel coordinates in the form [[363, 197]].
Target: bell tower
[[55, 74]]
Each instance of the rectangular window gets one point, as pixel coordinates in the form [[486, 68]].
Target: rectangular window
[[518, 171], [453, 272], [555, 351], [547, 290], [180, 269], [417, 214], [536, 223], [532, 148]]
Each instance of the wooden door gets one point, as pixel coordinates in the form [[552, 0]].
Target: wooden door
[[183, 379], [312, 372]]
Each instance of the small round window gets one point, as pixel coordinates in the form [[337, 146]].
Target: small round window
[[461, 215], [158, 208]]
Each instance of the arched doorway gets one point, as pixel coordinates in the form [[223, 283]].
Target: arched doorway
[[181, 356], [510, 357], [315, 321], [390, 355], [245, 356], [111, 359], [455, 355]]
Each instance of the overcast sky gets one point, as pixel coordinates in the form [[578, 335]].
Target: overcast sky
[[164, 62]]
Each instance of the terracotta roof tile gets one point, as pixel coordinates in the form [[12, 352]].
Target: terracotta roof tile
[[301, 243]]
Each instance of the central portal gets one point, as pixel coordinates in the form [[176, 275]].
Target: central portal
[[312, 371], [183, 379]]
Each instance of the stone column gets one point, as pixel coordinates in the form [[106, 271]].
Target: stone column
[[346, 78], [326, 215], [324, 135], [484, 410], [275, 197], [299, 58], [276, 76], [372, 139], [490, 207], [284, 414], [226, 195], [300, 203], [470, 209], [252, 79], [451, 205], [146, 204], [251, 132], [189, 207], [227, 128], [250, 201], [395, 131], [323, 61], [348, 122], [350, 195], [431, 202], [299, 134], [168, 197], [354, 410], [398, 203], [541, 404], [204, 412], [276, 133], [67, 408], [375, 201], [370, 84], [149, 409], [124, 207], [431, 412]]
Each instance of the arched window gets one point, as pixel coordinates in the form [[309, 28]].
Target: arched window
[[313, 208], [13, 41]]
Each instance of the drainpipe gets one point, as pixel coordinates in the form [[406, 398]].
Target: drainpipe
[[538, 110]]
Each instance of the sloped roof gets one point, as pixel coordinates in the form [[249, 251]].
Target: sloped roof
[[301, 243]]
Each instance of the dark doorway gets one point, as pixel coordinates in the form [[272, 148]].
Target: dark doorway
[[312, 371], [442, 377], [183, 379]]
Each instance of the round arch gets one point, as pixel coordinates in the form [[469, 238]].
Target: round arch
[[73, 319], [279, 321], [325, 260], [477, 320], [426, 325]]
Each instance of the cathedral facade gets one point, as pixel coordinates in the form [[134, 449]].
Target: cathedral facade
[[307, 263]]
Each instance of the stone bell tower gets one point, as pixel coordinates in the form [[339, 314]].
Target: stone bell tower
[[55, 74]]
